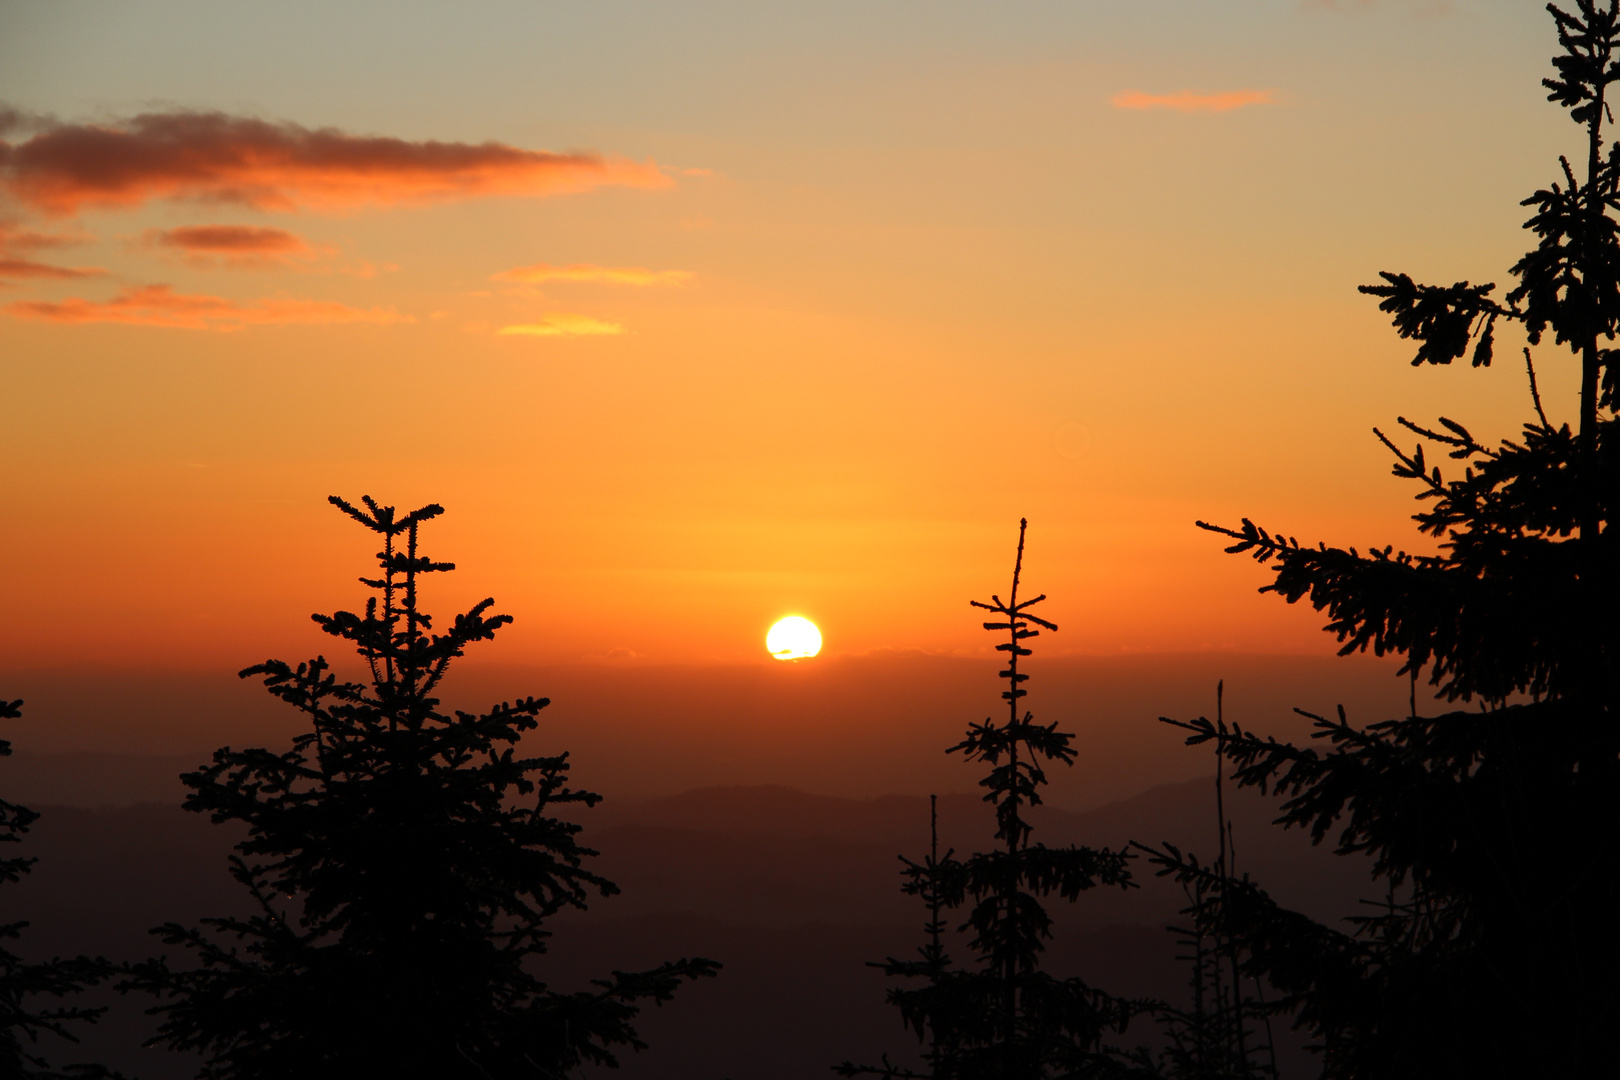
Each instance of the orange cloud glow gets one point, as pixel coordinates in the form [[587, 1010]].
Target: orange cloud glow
[[159, 305], [556, 324], [228, 240], [1187, 101], [595, 275], [282, 166]]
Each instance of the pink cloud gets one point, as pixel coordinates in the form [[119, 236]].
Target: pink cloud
[[1188, 101], [282, 166], [159, 305]]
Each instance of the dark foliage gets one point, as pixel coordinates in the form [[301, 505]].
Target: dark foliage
[[22, 1021], [1003, 1017], [1223, 1031], [1494, 835], [401, 862]]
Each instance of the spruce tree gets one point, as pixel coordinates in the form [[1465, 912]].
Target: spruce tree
[[1492, 829], [1003, 1016], [22, 1019], [401, 863]]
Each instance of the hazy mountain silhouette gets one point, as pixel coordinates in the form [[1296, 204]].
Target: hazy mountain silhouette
[[95, 780], [718, 851], [771, 878]]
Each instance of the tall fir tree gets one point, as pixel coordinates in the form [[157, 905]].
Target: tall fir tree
[[1493, 831], [1003, 1016], [24, 1017], [401, 861]]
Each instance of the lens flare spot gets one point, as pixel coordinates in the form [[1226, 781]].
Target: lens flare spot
[[793, 638]]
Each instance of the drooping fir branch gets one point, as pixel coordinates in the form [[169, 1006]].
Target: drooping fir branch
[[1569, 284], [1457, 615]]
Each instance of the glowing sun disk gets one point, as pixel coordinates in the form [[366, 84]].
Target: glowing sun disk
[[793, 638]]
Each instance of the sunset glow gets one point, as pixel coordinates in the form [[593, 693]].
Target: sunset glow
[[681, 315]]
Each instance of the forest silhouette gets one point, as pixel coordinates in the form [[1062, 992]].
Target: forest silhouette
[[405, 885]]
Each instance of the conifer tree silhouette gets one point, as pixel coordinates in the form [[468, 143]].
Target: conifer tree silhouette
[[402, 862], [22, 1022], [1004, 1017], [1493, 833]]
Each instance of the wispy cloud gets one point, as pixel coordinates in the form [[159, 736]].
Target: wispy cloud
[[15, 238], [13, 268], [557, 324], [586, 273], [240, 247], [227, 240], [1189, 101], [216, 157], [16, 120], [159, 305]]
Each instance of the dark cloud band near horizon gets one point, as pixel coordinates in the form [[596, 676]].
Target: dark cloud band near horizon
[[210, 156]]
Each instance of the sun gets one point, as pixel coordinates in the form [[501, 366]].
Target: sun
[[793, 638]]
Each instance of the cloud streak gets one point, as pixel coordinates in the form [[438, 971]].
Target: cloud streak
[[1188, 101], [13, 238], [227, 240], [587, 273], [215, 157], [159, 305], [14, 268], [557, 324]]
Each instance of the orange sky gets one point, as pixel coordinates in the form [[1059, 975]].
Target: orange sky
[[832, 295]]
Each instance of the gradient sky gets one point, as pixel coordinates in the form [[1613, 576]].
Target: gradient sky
[[694, 315]]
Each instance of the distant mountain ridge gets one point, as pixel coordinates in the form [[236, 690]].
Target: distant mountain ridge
[[674, 848], [91, 780], [795, 892]]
